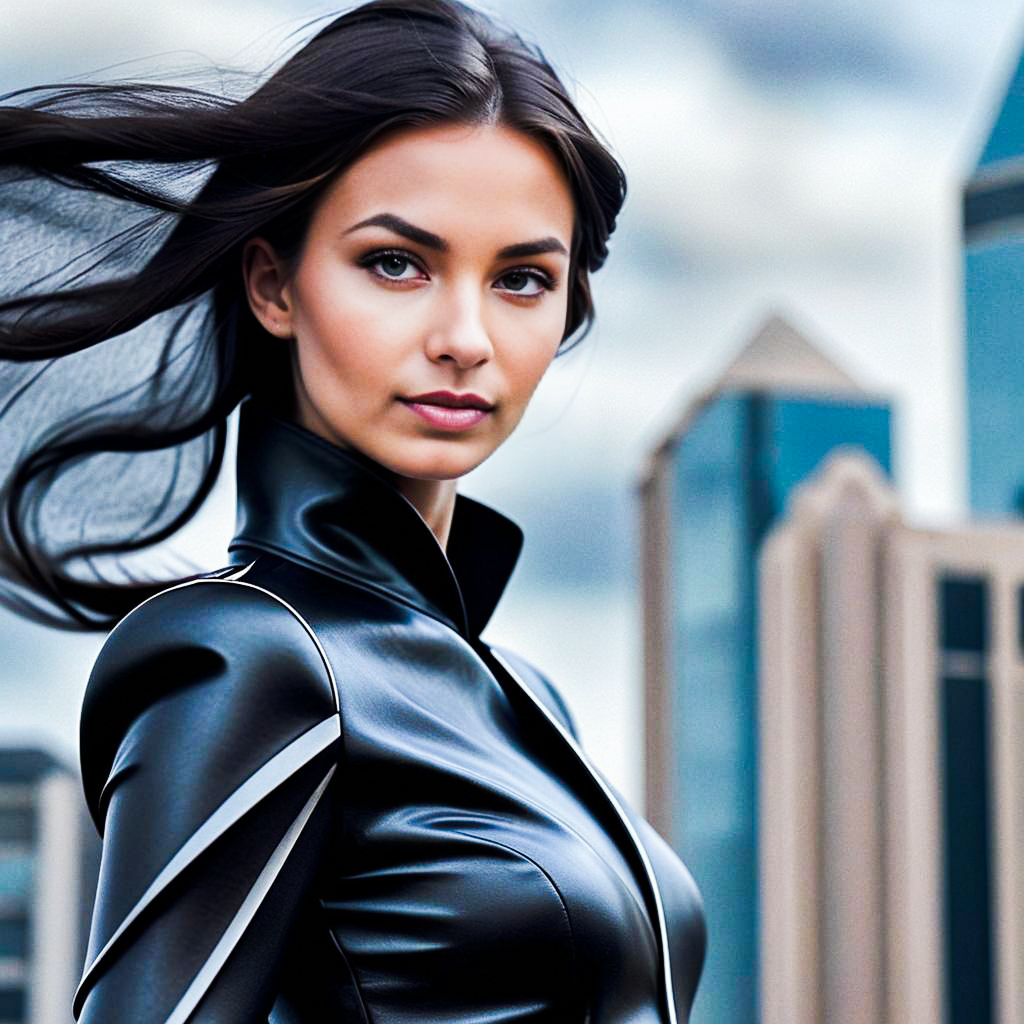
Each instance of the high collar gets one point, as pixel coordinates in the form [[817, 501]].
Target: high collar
[[301, 497]]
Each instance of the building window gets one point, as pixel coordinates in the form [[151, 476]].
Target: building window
[[13, 937], [17, 868], [1020, 619], [17, 815], [964, 614], [12, 1005], [17, 825], [966, 797]]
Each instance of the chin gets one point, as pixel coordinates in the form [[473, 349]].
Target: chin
[[441, 466], [437, 472]]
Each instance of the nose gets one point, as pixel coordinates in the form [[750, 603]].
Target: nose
[[459, 334]]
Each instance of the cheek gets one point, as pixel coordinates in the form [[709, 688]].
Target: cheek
[[530, 364], [530, 343], [539, 346], [338, 330], [322, 300]]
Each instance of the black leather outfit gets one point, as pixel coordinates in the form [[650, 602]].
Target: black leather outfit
[[324, 799]]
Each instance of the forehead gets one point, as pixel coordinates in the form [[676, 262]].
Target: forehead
[[451, 179]]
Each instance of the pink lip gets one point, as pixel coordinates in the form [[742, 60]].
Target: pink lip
[[449, 411]]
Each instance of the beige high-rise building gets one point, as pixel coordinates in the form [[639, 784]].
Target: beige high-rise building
[[49, 855], [891, 762]]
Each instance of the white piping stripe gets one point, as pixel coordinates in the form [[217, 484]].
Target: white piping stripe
[[633, 835], [277, 770], [247, 911], [238, 574]]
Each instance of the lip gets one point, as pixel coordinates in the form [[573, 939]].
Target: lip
[[449, 411], [450, 400]]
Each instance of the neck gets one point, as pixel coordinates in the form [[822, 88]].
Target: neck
[[433, 499], [435, 502]]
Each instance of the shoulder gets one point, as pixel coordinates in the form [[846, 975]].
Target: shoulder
[[209, 621], [212, 653]]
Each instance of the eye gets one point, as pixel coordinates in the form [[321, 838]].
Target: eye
[[525, 282], [392, 266]]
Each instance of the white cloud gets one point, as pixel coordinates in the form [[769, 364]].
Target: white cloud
[[732, 177], [52, 40]]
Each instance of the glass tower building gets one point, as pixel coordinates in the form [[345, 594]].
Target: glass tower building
[[712, 490], [993, 212]]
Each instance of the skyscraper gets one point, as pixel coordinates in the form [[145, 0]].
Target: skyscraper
[[994, 309], [892, 762], [712, 489], [49, 855]]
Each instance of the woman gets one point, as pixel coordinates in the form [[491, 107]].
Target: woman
[[322, 796]]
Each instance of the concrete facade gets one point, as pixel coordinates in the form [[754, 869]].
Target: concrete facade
[[891, 763]]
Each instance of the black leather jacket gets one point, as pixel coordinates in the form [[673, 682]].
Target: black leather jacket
[[323, 798]]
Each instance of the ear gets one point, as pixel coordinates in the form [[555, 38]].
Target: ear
[[266, 285]]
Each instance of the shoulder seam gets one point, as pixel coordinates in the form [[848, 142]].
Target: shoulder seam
[[302, 622], [237, 580]]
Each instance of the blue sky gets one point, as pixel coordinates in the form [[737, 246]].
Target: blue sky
[[799, 156]]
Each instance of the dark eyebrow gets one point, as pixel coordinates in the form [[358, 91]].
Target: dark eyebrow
[[403, 228], [523, 249], [392, 222]]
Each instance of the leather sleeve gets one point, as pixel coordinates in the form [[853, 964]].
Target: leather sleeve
[[210, 741]]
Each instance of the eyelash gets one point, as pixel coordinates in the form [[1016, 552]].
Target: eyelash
[[368, 262], [544, 279]]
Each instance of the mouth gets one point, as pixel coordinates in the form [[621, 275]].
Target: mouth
[[449, 400], [448, 411]]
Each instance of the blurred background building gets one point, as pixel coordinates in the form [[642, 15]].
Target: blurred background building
[[49, 859], [713, 488], [892, 762], [994, 305]]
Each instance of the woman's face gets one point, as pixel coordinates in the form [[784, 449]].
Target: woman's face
[[429, 296]]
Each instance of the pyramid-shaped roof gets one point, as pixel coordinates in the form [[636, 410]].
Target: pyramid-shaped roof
[[779, 358]]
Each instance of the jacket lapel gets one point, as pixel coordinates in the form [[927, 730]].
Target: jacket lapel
[[643, 868]]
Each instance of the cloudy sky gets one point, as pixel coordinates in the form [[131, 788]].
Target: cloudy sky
[[796, 156]]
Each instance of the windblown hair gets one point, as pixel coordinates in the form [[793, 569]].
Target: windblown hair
[[127, 339]]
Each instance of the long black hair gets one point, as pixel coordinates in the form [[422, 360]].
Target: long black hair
[[123, 356]]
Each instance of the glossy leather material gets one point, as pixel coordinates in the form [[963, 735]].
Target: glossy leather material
[[325, 799]]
